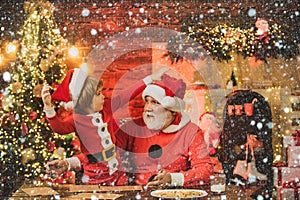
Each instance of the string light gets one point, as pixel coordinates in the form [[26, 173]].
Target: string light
[[24, 133], [222, 41]]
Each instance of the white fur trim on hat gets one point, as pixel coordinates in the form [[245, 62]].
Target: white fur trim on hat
[[77, 82], [158, 93], [185, 119], [155, 92], [173, 103]]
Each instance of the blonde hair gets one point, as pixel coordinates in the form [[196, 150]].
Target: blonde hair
[[84, 104]]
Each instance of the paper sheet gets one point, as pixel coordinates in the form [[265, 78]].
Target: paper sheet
[[36, 191]]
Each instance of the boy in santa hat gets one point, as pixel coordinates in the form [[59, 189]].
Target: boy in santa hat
[[94, 125], [164, 147]]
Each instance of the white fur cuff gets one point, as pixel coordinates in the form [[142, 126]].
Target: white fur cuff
[[74, 163], [177, 179], [50, 112], [147, 80]]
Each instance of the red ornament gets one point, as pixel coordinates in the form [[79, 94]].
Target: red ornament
[[24, 129], [50, 145], [32, 115], [76, 144]]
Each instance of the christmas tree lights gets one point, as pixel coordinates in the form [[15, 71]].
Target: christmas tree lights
[[24, 132]]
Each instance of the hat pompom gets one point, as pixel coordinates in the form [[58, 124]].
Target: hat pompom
[[173, 103], [168, 102], [67, 105]]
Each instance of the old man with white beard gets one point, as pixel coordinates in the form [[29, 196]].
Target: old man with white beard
[[164, 147]]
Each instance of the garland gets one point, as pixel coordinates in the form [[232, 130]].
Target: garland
[[221, 41]]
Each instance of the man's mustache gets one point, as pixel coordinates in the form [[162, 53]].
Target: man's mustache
[[149, 114]]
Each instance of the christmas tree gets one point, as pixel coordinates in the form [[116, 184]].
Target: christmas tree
[[26, 139]]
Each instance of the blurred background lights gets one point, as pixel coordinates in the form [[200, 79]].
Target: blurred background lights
[[286, 110], [73, 52], [6, 76], [84, 65]]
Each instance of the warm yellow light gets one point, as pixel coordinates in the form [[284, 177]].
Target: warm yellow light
[[73, 52]]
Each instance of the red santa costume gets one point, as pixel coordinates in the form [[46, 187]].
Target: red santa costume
[[262, 30], [95, 131], [208, 124], [178, 149]]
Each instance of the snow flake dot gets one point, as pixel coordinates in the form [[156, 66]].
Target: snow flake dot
[[138, 30], [85, 12], [286, 110], [138, 196], [251, 12], [93, 32], [142, 10], [259, 125]]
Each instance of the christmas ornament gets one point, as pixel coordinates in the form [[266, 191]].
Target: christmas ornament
[[16, 87], [24, 129], [27, 155], [37, 90], [32, 115], [76, 145], [26, 6], [262, 27], [44, 65], [6, 102], [59, 153], [48, 8], [50, 145], [69, 136]]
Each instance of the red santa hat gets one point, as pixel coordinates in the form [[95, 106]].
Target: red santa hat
[[169, 92], [262, 26], [71, 85], [62, 92], [207, 113]]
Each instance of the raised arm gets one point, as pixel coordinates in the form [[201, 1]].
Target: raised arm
[[131, 92], [57, 124]]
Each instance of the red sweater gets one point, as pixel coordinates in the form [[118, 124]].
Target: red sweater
[[90, 141], [182, 151]]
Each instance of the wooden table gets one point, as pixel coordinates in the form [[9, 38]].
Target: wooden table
[[63, 192]]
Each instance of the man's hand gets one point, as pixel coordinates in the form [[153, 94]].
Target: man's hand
[[57, 167], [46, 97], [161, 179], [158, 75]]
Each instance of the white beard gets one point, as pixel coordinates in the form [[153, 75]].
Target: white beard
[[155, 121]]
